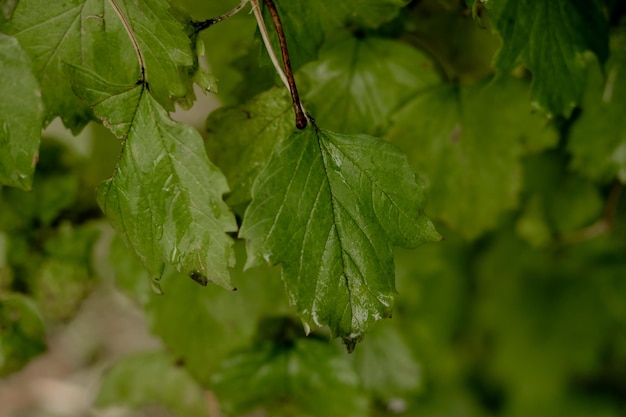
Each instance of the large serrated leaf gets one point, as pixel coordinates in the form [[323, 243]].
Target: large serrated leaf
[[21, 114], [101, 36], [556, 40], [329, 207], [165, 198]]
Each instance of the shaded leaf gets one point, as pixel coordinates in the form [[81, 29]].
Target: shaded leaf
[[21, 116], [598, 138], [468, 143], [556, 40], [329, 207], [242, 139], [357, 83], [151, 378], [305, 378], [22, 332]]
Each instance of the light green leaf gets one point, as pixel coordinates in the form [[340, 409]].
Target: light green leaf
[[95, 34], [22, 332], [386, 366], [212, 322], [358, 83], [468, 143], [556, 40], [242, 139], [165, 198], [329, 207], [152, 378], [306, 377], [598, 138], [21, 115]]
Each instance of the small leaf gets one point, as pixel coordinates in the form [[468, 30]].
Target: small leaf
[[21, 116], [22, 332], [305, 378], [556, 40], [151, 378], [328, 207]]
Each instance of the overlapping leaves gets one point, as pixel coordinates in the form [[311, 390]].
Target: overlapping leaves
[[556, 40], [329, 207], [95, 35]]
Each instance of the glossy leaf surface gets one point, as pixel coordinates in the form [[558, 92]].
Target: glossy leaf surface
[[329, 207]]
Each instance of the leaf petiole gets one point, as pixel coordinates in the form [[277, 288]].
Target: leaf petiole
[[200, 26]]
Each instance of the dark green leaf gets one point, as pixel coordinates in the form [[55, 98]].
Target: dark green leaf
[[328, 207], [22, 332], [468, 143], [242, 139], [556, 40], [305, 378], [21, 115], [358, 83], [152, 378]]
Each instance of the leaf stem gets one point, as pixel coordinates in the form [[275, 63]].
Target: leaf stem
[[133, 39], [200, 26], [286, 75]]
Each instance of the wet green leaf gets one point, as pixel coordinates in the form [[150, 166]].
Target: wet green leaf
[[329, 207], [152, 378], [556, 40], [165, 198], [21, 116]]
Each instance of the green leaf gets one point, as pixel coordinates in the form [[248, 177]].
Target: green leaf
[[468, 143], [307, 377], [165, 198], [95, 35], [386, 366], [328, 207], [21, 115], [242, 139], [212, 322], [556, 40], [22, 332], [152, 378], [598, 138], [358, 83]]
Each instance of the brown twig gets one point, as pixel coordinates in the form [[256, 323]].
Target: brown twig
[[301, 120]]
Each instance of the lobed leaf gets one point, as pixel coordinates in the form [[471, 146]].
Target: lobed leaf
[[556, 40], [21, 114], [329, 207]]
